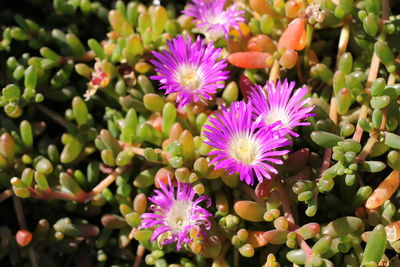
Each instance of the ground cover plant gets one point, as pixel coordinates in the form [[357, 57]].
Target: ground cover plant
[[199, 133]]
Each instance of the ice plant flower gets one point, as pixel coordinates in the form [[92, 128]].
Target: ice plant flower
[[212, 19], [281, 105], [175, 213], [241, 145], [190, 69]]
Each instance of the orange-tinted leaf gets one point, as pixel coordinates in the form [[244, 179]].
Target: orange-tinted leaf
[[292, 7], [244, 30], [293, 36], [393, 231], [249, 60], [157, 122], [256, 239], [238, 44], [261, 43], [384, 191], [163, 175], [262, 7], [288, 59], [303, 41]]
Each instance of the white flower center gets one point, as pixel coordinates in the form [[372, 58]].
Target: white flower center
[[217, 19], [278, 114], [189, 77], [244, 148], [179, 215]]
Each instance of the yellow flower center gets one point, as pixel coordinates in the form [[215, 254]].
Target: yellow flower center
[[275, 115], [244, 149], [189, 77]]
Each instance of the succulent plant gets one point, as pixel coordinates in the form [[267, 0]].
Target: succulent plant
[[137, 133]]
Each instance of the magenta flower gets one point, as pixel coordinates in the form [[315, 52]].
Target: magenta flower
[[190, 69], [242, 146], [175, 212], [281, 105], [212, 19]]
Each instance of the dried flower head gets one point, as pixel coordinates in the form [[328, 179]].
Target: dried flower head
[[212, 19], [243, 147], [190, 69], [280, 105], [99, 79], [175, 213]]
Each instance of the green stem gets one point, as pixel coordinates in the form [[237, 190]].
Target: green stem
[[372, 75], [285, 201], [309, 36], [19, 211], [333, 114], [53, 115], [343, 42]]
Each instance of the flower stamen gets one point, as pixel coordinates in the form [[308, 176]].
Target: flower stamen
[[190, 78], [244, 149]]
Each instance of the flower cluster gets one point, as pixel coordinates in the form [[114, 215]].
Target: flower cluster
[[246, 137], [212, 19], [242, 146]]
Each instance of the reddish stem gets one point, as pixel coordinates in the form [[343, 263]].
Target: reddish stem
[[285, 202]]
